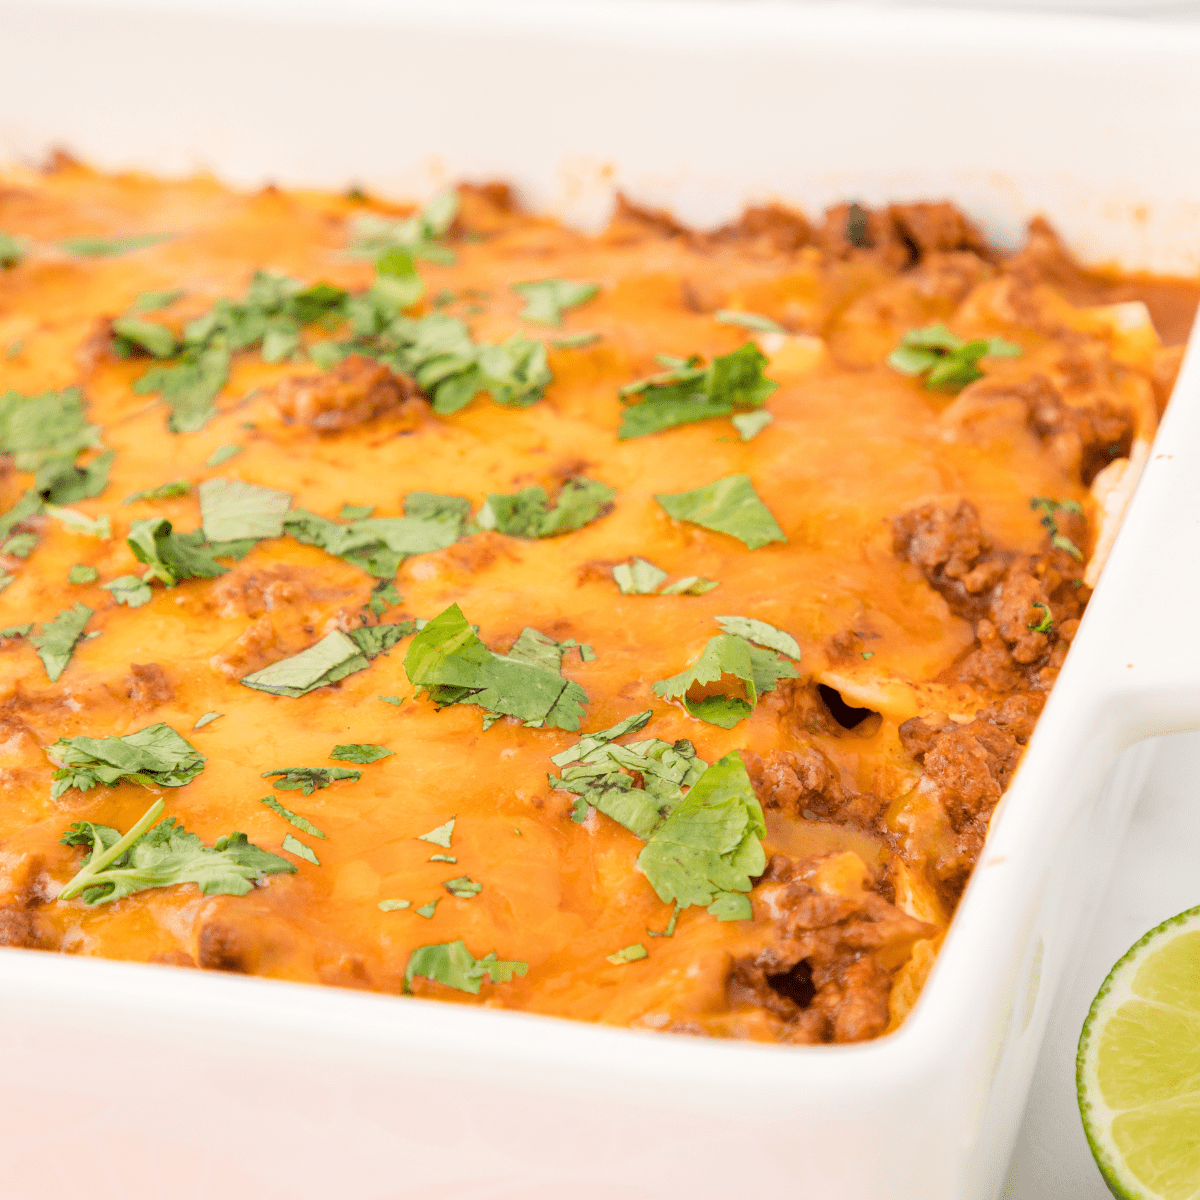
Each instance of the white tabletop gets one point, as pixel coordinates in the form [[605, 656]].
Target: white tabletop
[[1156, 879]]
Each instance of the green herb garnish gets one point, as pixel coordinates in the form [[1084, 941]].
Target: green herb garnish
[[309, 779], [464, 887], [109, 247], [363, 752], [449, 662], [453, 964], [81, 574], [393, 905], [20, 545], [334, 657], [135, 334], [12, 250], [153, 757], [427, 910], [153, 301], [79, 524], [638, 577], [57, 639], [1048, 508], [165, 491], [547, 299], [575, 341], [629, 954], [731, 655], [169, 556], [231, 510], [420, 235], [222, 454], [207, 719], [730, 505], [751, 424], [294, 846], [1046, 623], [380, 544], [301, 823], [947, 362], [129, 590], [147, 858], [528, 514], [755, 322], [440, 836], [687, 392]]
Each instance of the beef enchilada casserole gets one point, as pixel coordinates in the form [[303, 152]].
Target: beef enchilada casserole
[[640, 628]]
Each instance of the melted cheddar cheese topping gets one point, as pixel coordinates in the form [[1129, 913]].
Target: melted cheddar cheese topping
[[929, 605]]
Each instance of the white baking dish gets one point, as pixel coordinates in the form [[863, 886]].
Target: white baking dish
[[135, 1083]]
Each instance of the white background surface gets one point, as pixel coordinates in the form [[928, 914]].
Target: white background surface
[[1157, 878]]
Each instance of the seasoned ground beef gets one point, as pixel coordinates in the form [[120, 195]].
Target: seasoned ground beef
[[356, 391]]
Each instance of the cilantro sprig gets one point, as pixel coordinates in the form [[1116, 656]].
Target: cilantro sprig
[[449, 662], [155, 756], [334, 657], [55, 642], [947, 362], [687, 392], [120, 865], [309, 779]]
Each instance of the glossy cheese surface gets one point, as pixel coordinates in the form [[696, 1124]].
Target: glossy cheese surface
[[853, 446]]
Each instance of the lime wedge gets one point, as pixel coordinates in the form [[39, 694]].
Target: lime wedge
[[1138, 1069]]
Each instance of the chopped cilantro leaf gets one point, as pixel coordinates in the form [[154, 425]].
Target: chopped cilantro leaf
[[580, 810], [363, 752], [1046, 623], [294, 846], [12, 250], [380, 544], [446, 858], [165, 491], [80, 574], [751, 424], [575, 341], [669, 931], [222, 454], [638, 577], [868, 654], [20, 545], [464, 887], [419, 235], [440, 836], [427, 910], [207, 719], [309, 779], [6, 580], [687, 392], [46, 431], [57, 639], [748, 320], [730, 505], [332, 658], [170, 556], [154, 757], [710, 843], [16, 631], [61, 482], [1048, 508], [230, 509], [727, 655], [393, 905], [396, 700], [638, 784], [547, 299], [731, 906], [527, 513], [356, 512], [189, 387], [449, 662], [628, 955], [947, 362], [292, 818], [79, 524], [453, 964], [641, 578], [129, 590], [108, 247], [135, 334], [761, 634], [153, 301], [162, 857]]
